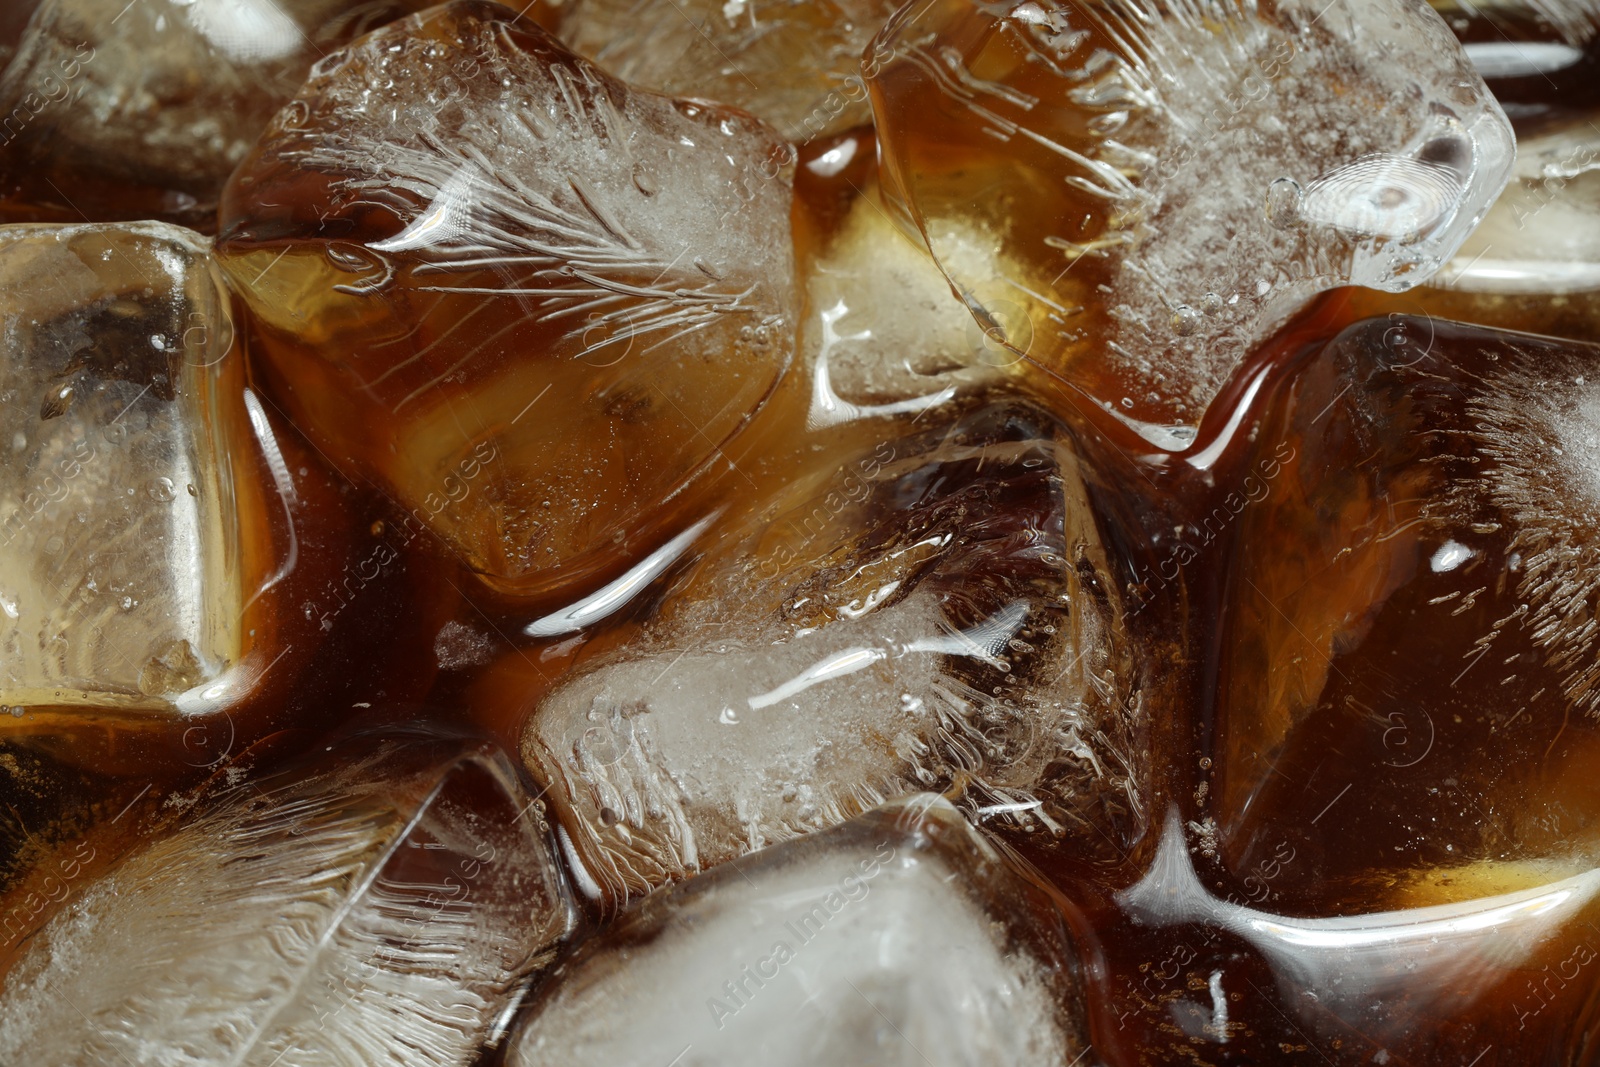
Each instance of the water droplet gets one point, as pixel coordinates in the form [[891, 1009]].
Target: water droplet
[[1283, 203], [162, 490], [1211, 303]]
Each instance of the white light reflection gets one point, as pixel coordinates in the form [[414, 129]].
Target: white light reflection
[[835, 666], [1349, 959], [447, 218], [591, 609], [827, 409], [982, 642]]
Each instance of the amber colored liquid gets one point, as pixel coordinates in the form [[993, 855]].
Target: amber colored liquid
[[1234, 687]]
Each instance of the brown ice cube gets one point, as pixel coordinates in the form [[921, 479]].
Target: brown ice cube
[[117, 110], [381, 903], [148, 514]]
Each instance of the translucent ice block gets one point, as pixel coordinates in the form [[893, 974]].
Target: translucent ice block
[[527, 301], [140, 110], [1181, 176], [791, 62], [898, 938], [135, 540], [1543, 235], [1409, 672], [377, 908], [941, 612]]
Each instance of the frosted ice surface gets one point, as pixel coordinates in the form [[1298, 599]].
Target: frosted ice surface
[[524, 275], [168, 92], [121, 579], [1543, 233], [899, 938], [938, 613], [1184, 175], [793, 63], [883, 327], [377, 911]]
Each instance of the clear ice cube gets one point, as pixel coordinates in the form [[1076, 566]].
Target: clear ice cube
[[941, 612], [528, 302], [1409, 674], [1182, 176], [136, 551], [900, 937], [380, 909], [140, 110], [1542, 236], [1541, 59], [882, 328], [793, 63]]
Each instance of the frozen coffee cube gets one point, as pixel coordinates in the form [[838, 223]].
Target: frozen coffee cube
[[377, 907], [943, 612], [900, 937], [1181, 178], [527, 301]]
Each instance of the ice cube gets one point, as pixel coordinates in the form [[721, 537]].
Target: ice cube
[[1409, 668], [900, 937], [381, 908], [141, 110], [793, 63], [941, 612], [882, 326], [1182, 176], [527, 301], [1435, 966], [146, 509], [1541, 60], [1543, 235]]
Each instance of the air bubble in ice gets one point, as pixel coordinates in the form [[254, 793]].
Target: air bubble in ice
[[1283, 203]]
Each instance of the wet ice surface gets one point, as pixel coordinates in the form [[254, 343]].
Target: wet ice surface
[[884, 328], [898, 938], [1445, 942], [1543, 234], [938, 613], [550, 297], [122, 582], [1411, 678], [1182, 177], [379, 910], [1539, 57], [168, 94], [794, 63]]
